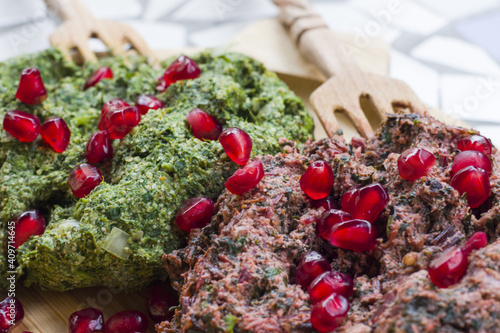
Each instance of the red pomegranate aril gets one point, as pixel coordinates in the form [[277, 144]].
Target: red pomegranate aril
[[31, 89], [476, 142], [86, 321], [130, 321], [448, 268], [120, 122], [477, 241], [112, 105], [147, 102], [317, 181], [237, 144], [243, 180], [183, 68], [27, 224], [100, 74], [99, 147], [309, 267], [11, 311], [327, 203], [365, 203], [471, 158], [358, 142], [56, 134], [330, 283], [329, 219], [415, 163], [329, 314], [473, 181], [194, 213], [204, 126], [83, 179], [354, 235], [23, 126], [159, 301]]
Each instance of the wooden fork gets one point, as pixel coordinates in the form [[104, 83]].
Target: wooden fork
[[79, 25], [348, 88]]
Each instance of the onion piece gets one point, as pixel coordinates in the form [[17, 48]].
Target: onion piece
[[116, 242]]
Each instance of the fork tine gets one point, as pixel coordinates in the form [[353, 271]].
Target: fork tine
[[136, 40], [86, 52], [110, 36]]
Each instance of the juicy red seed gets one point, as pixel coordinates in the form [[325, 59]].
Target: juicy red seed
[[10, 309], [113, 105], [415, 163], [100, 74], [365, 203], [317, 181], [357, 142], [83, 179], [477, 241], [27, 224], [471, 158], [204, 126], [448, 268], [243, 180], [159, 301], [330, 283], [148, 102], [329, 314], [327, 203], [194, 213], [86, 321], [473, 181], [127, 321], [56, 134], [31, 89], [354, 235], [237, 144], [329, 219], [120, 122], [476, 142], [183, 68], [99, 147], [309, 267], [23, 126]]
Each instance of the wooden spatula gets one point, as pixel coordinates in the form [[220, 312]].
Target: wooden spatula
[[348, 88], [79, 25]]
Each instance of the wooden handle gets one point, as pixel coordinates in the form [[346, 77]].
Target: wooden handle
[[69, 9], [314, 39]]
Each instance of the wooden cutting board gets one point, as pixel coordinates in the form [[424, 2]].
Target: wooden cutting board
[[267, 41]]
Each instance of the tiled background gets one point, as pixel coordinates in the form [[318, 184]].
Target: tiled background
[[447, 50]]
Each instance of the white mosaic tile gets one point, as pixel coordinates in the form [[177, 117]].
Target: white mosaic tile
[[114, 9], [217, 36], [453, 10], [456, 53], [159, 35], [21, 11], [342, 18], [155, 9], [416, 19]]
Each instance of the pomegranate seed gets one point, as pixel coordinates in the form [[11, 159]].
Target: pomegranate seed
[[415, 163], [31, 89], [148, 102], [27, 224], [329, 219], [309, 267], [357, 142], [477, 241], [100, 74], [365, 203], [11, 310], [354, 235], [23, 126], [194, 213], [329, 314], [317, 181], [476, 142], [204, 126], [237, 144], [120, 122], [330, 283], [327, 203], [83, 179], [99, 147], [159, 301], [130, 321], [183, 68], [243, 180], [448, 268], [56, 134], [86, 321], [471, 158], [112, 105], [473, 181]]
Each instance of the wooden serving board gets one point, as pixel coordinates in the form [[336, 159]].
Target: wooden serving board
[[267, 41]]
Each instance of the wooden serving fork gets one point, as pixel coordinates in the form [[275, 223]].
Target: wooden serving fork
[[79, 25], [348, 89]]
